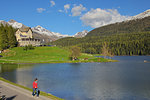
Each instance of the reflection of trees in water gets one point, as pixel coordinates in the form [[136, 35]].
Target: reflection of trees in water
[[15, 73], [8, 67], [11, 67]]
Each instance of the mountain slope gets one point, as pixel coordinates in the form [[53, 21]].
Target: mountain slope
[[138, 25]]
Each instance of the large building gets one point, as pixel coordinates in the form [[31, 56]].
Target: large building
[[25, 37]]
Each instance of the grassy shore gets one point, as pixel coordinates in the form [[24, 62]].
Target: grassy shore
[[29, 89], [45, 55]]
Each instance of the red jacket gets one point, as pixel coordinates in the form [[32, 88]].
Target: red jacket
[[35, 85]]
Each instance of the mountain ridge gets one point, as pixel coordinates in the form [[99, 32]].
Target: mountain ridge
[[141, 15]]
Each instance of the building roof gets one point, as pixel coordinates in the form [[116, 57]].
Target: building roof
[[24, 29]]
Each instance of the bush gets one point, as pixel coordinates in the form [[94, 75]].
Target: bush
[[28, 47]]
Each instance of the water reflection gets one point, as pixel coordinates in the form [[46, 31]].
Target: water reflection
[[127, 79], [17, 74]]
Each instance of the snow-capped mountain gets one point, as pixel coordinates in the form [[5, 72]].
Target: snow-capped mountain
[[39, 29], [3, 22], [15, 24], [81, 34], [141, 15]]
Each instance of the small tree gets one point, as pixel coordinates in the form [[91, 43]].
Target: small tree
[[106, 51], [75, 52], [110, 54]]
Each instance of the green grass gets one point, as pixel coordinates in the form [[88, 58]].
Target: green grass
[[29, 89], [44, 55]]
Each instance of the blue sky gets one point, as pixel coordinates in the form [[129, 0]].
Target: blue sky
[[70, 16]]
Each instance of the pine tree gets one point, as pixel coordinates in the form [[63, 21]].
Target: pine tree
[[11, 37], [3, 38]]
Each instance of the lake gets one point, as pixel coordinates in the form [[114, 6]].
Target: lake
[[128, 79]]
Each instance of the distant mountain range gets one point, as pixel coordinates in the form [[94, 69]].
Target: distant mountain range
[[39, 30]]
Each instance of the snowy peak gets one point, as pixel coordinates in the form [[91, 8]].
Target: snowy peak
[[81, 34], [15, 24], [39, 29], [12, 21], [141, 15], [3, 22]]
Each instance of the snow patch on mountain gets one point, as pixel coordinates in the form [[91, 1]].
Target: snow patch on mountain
[[15, 24], [3, 22], [81, 34], [141, 15]]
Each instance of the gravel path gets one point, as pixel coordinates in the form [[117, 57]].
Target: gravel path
[[12, 92]]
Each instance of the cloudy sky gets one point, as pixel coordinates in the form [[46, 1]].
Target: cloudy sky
[[70, 16]]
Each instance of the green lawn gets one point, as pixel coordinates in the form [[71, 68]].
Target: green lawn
[[44, 55]]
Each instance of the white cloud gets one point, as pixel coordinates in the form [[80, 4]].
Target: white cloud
[[40, 10], [60, 10], [100, 17], [77, 10], [52, 3], [66, 7]]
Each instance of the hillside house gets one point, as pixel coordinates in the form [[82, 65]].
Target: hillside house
[[25, 37]]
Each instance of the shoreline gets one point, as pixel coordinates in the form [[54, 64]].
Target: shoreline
[[60, 62], [43, 95]]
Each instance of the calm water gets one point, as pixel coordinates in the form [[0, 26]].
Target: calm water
[[128, 79]]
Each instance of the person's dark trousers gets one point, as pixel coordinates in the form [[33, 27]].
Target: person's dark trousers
[[33, 93]]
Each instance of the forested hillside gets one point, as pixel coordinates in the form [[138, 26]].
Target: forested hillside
[[130, 26], [7, 37], [125, 38]]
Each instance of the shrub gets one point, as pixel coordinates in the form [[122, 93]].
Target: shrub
[[28, 47]]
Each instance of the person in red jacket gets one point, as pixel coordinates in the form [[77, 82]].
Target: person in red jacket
[[35, 88]]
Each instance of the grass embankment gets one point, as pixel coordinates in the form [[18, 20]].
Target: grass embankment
[[44, 55], [29, 89]]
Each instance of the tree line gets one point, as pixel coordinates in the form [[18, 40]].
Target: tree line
[[7, 37], [118, 44]]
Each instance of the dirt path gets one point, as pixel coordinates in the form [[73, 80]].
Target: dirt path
[[16, 93]]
